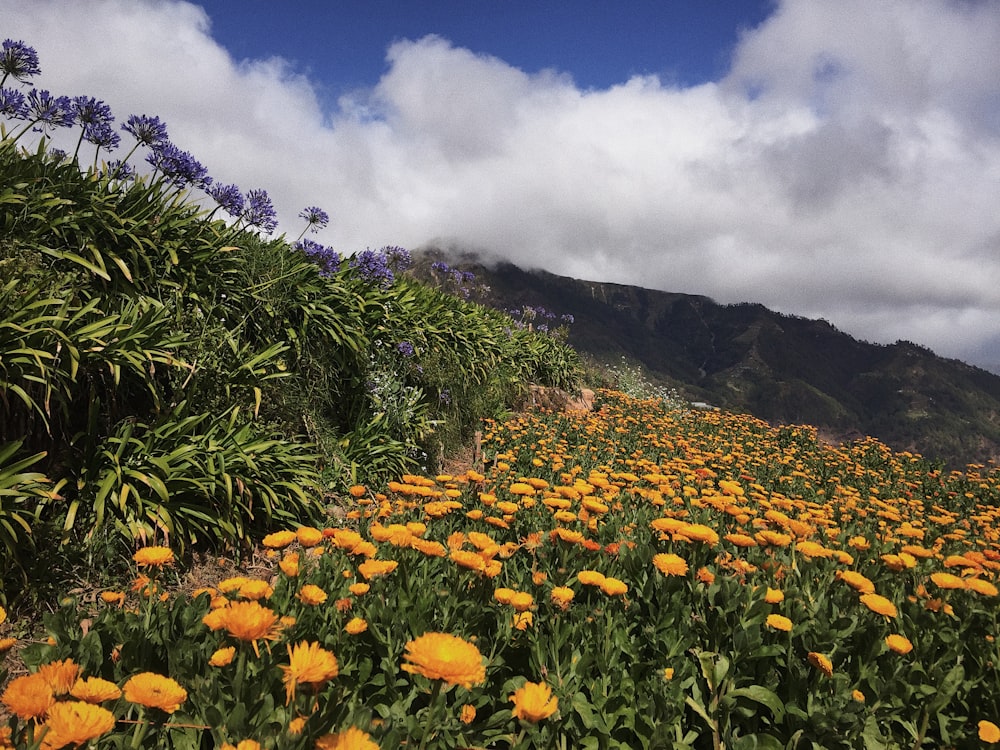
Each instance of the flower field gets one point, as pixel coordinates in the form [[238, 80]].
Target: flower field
[[637, 576]]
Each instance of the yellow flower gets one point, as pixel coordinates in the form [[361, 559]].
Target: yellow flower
[[670, 564], [312, 595], [521, 601], [223, 657], [279, 539], [468, 714], [310, 664], [153, 557], [821, 662], [504, 595], [3, 615], [247, 621], [858, 696], [562, 596], [522, 620], [442, 656], [985, 588], [774, 596], [76, 722], [255, 589], [359, 589], [534, 701], [154, 691], [614, 587], [988, 731], [879, 605], [779, 622], [95, 690], [356, 625], [668, 673], [296, 725], [590, 578], [6, 644], [898, 643], [28, 697], [349, 739], [113, 597]]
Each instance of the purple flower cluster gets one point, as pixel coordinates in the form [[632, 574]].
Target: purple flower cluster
[[18, 61], [379, 267], [148, 131], [48, 110], [260, 211], [405, 348], [13, 104], [326, 258], [229, 198], [316, 218], [178, 167], [96, 118]]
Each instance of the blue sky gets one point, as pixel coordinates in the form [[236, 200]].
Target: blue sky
[[342, 43], [833, 159]]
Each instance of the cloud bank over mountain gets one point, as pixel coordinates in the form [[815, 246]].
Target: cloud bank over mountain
[[846, 167]]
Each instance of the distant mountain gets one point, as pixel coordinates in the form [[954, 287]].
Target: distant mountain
[[780, 368]]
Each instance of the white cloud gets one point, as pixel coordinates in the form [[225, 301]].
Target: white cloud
[[845, 168]]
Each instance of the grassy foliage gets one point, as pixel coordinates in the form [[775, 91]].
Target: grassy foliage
[[170, 377], [639, 576]]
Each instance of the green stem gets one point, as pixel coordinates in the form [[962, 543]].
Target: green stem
[[431, 711]]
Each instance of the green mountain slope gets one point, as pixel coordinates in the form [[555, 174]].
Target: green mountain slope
[[781, 368]]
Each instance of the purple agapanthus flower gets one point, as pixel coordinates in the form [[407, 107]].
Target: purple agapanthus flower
[[148, 131], [315, 217], [13, 105], [91, 111], [18, 61], [229, 198], [440, 267], [179, 167], [373, 267], [326, 258], [405, 348], [48, 110], [102, 135], [398, 258], [120, 170], [260, 211]]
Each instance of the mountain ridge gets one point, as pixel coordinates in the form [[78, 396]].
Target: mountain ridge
[[745, 357]]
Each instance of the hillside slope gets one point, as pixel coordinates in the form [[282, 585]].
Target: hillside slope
[[781, 368]]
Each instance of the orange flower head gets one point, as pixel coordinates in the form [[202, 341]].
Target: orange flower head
[[95, 690], [153, 557], [590, 578], [222, 657], [534, 701], [310, 664], [349, 739], [154, 691], [857, 582], [898, 643], [468, 714], [61, 675], [442, 656], [879, 605], [981, 587], [614, 587], [774, 596], [376, 568], [947, 581], [241, 745], [523, 620], [356, 625], [289, 564], [670, 564], [521, 601], [76, 722], [312, 595], [821, 662], [988, 731], [28, 697], [562, 596], [779, 622], [308, 536], [279, 539]]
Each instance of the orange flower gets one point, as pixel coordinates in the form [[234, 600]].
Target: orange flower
[[779, 622], [534, 701], [879, 604], [561, 596], [255, 589], [523, 620], [947, 581], [241, 745], [356, 625], [858, 696], [113, 597], [61, 675], [359, 589], [76, 722], [670, 564], [154, 691], [857, 581], [279, 539], [614, 587], [248, 621], [521, 601], [774, 596], [312, 595], [442, 656], [988, 731], [289, 564], [468, 714], [310, 664], [984, 588], [222, 657], [374, 568], [590, 578], [468, 559], [740, 540], [28, 697], [6, 644], [697, 532], [349, 739], [504, 595], [308, 536], [153, 557], [898, 643], [95, 690], [821, 662]]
